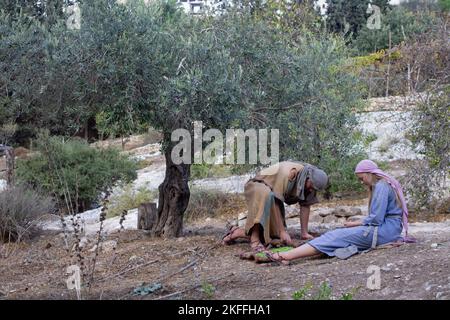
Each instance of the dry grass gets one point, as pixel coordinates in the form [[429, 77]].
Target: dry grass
[[213, 203], [20, 209]]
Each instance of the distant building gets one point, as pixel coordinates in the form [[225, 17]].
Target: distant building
[[197, 6]]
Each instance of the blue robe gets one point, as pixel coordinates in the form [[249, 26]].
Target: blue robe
[[384, 213]]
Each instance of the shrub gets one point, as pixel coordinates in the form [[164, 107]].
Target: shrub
[[74, 172], [20, 208], [129, 199], [430, 133]]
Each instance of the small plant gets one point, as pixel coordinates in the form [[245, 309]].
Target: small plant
[[20, 209], [325, 291], [351, 294], [208, 290], [302, 293], [369, 138]]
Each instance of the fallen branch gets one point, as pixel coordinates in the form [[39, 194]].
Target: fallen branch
[[168, 276], [179, 271]]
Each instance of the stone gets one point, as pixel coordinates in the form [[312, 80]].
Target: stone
[[356, 218], [346, 211], [324, 212], [330, 219], [315, 218]]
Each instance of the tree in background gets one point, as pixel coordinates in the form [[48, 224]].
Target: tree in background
[[445, 5], [397, 25], [134, 64], [349, 16]]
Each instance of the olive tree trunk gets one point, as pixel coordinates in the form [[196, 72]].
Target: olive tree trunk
[[173, 199]]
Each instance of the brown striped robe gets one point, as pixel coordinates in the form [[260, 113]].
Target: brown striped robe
[[266, 194]]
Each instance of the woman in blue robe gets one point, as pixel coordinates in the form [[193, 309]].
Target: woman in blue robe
[[383, 225]]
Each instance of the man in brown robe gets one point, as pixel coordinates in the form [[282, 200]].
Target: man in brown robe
[[285, 182]]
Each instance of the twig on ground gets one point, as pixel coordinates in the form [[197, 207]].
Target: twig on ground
[[179, 271], [128, 270]]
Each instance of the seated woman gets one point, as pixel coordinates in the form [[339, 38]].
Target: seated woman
[[285, 182], [383, 225]]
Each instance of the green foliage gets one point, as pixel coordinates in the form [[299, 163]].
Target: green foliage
[[445, 5], [290, 17], [353, 13], [319, 128], [129, 199], [324, 292], [46, 12], [208, 290], [20, 209], [73, 171], [402, 24], [430, 133], [302, 294]]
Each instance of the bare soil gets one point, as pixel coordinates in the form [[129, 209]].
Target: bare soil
[[196, 266]]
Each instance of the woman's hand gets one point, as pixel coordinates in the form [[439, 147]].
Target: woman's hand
[[350, 224]]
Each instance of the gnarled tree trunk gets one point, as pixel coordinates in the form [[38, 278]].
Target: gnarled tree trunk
[[173, 199]]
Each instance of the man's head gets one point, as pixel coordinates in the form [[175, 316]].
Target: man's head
[[318, 179]]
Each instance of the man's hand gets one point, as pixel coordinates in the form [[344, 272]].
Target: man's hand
[[350, 224], [286, 238]]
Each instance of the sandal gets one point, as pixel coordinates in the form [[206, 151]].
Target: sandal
[[258, 248], [270, 257], [229, 233]]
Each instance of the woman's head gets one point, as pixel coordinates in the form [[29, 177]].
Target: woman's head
[[366, 166], [369, 179], [366, 172]]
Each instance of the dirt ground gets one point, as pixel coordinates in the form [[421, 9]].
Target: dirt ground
[[195, 266]]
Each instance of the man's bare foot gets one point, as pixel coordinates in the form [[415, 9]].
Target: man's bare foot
[[306, 236]]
